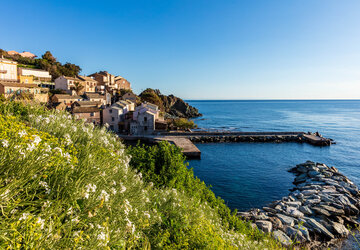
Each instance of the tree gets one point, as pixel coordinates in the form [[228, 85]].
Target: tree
[[49, 57], [78, 87]]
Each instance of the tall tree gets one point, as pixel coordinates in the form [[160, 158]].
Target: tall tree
[[49, 57], [77, 87]]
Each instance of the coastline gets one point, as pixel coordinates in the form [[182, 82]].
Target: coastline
[[317, 212]]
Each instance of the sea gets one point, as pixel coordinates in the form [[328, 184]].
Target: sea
[[251, 175]]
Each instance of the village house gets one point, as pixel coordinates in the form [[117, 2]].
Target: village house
[[90, 114], [106, 81], [23, 54], [122, 83], [90, 83], [114, 115], [37, 76], [68, 100], [129, 96], [144, 118], [68, 84], [8, 70], [9, 89], [96, 97], [86, 104]]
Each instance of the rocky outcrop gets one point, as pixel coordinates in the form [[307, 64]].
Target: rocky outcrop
[[317, 212], [174, 106]]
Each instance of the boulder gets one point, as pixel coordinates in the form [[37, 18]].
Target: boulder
[[286, 220], [332, 210], [321, 211], [265, 226], [339, 229], [313, 173], [276, 222], [282, 238], [319, 228], [293, 212], [309, 192], [306, 210], [304, 231], [295, 234]]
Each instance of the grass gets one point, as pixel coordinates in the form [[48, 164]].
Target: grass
[[68, 184]]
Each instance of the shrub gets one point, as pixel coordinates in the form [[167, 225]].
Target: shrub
[[67, 184]]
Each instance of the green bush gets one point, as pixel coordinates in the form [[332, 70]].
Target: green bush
[[68, 184]]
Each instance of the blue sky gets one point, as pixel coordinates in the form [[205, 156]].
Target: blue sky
[[200, 49]]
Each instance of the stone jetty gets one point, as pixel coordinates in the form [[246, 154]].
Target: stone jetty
[[317, 212]]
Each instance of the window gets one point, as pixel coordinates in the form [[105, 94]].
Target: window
[[110, 111], [112, 119], [92, 114], [145, 119], [145, 128]]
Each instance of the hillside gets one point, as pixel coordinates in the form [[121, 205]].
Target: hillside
[[67, 184]]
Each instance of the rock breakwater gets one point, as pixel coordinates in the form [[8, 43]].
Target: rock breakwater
[[312, 138], [317, 212]]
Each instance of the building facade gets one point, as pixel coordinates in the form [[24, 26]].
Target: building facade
[[69, 84], [90, 114], [129, 96], [12, 89], [40, 77], [8, 70], [122, 83], [90, 83]]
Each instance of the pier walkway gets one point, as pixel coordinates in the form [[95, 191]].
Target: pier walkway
[[186, 140]]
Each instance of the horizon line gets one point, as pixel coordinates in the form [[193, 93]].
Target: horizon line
[[337, 99]]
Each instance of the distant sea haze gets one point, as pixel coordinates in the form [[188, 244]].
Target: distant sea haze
[[248, 175]]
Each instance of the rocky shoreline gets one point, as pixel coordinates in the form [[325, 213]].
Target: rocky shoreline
[[317, 212]]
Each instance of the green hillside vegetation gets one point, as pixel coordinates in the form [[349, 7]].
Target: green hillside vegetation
[[68, 184], [46, 62]]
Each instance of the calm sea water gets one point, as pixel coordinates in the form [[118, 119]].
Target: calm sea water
[[248, 175]]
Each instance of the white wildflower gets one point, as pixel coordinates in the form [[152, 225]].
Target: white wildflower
[[5, 143], [22, 133], [68, 140], [122, 188], [113, 191], [147, 215], [75, 220], [41, 222], [37, 139], [24, 216], [31, 147], [104, 195]]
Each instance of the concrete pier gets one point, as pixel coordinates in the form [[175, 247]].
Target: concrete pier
[[186, 140]]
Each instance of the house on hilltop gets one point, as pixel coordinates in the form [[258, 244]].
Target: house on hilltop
[[129, 96], [122, 83]]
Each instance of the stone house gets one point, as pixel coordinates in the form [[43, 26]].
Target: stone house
[[8, 70], [90, 114], [122, 83], [144, 124]]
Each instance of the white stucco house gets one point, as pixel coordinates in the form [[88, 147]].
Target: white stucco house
[[8, 70], [114, 115]]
